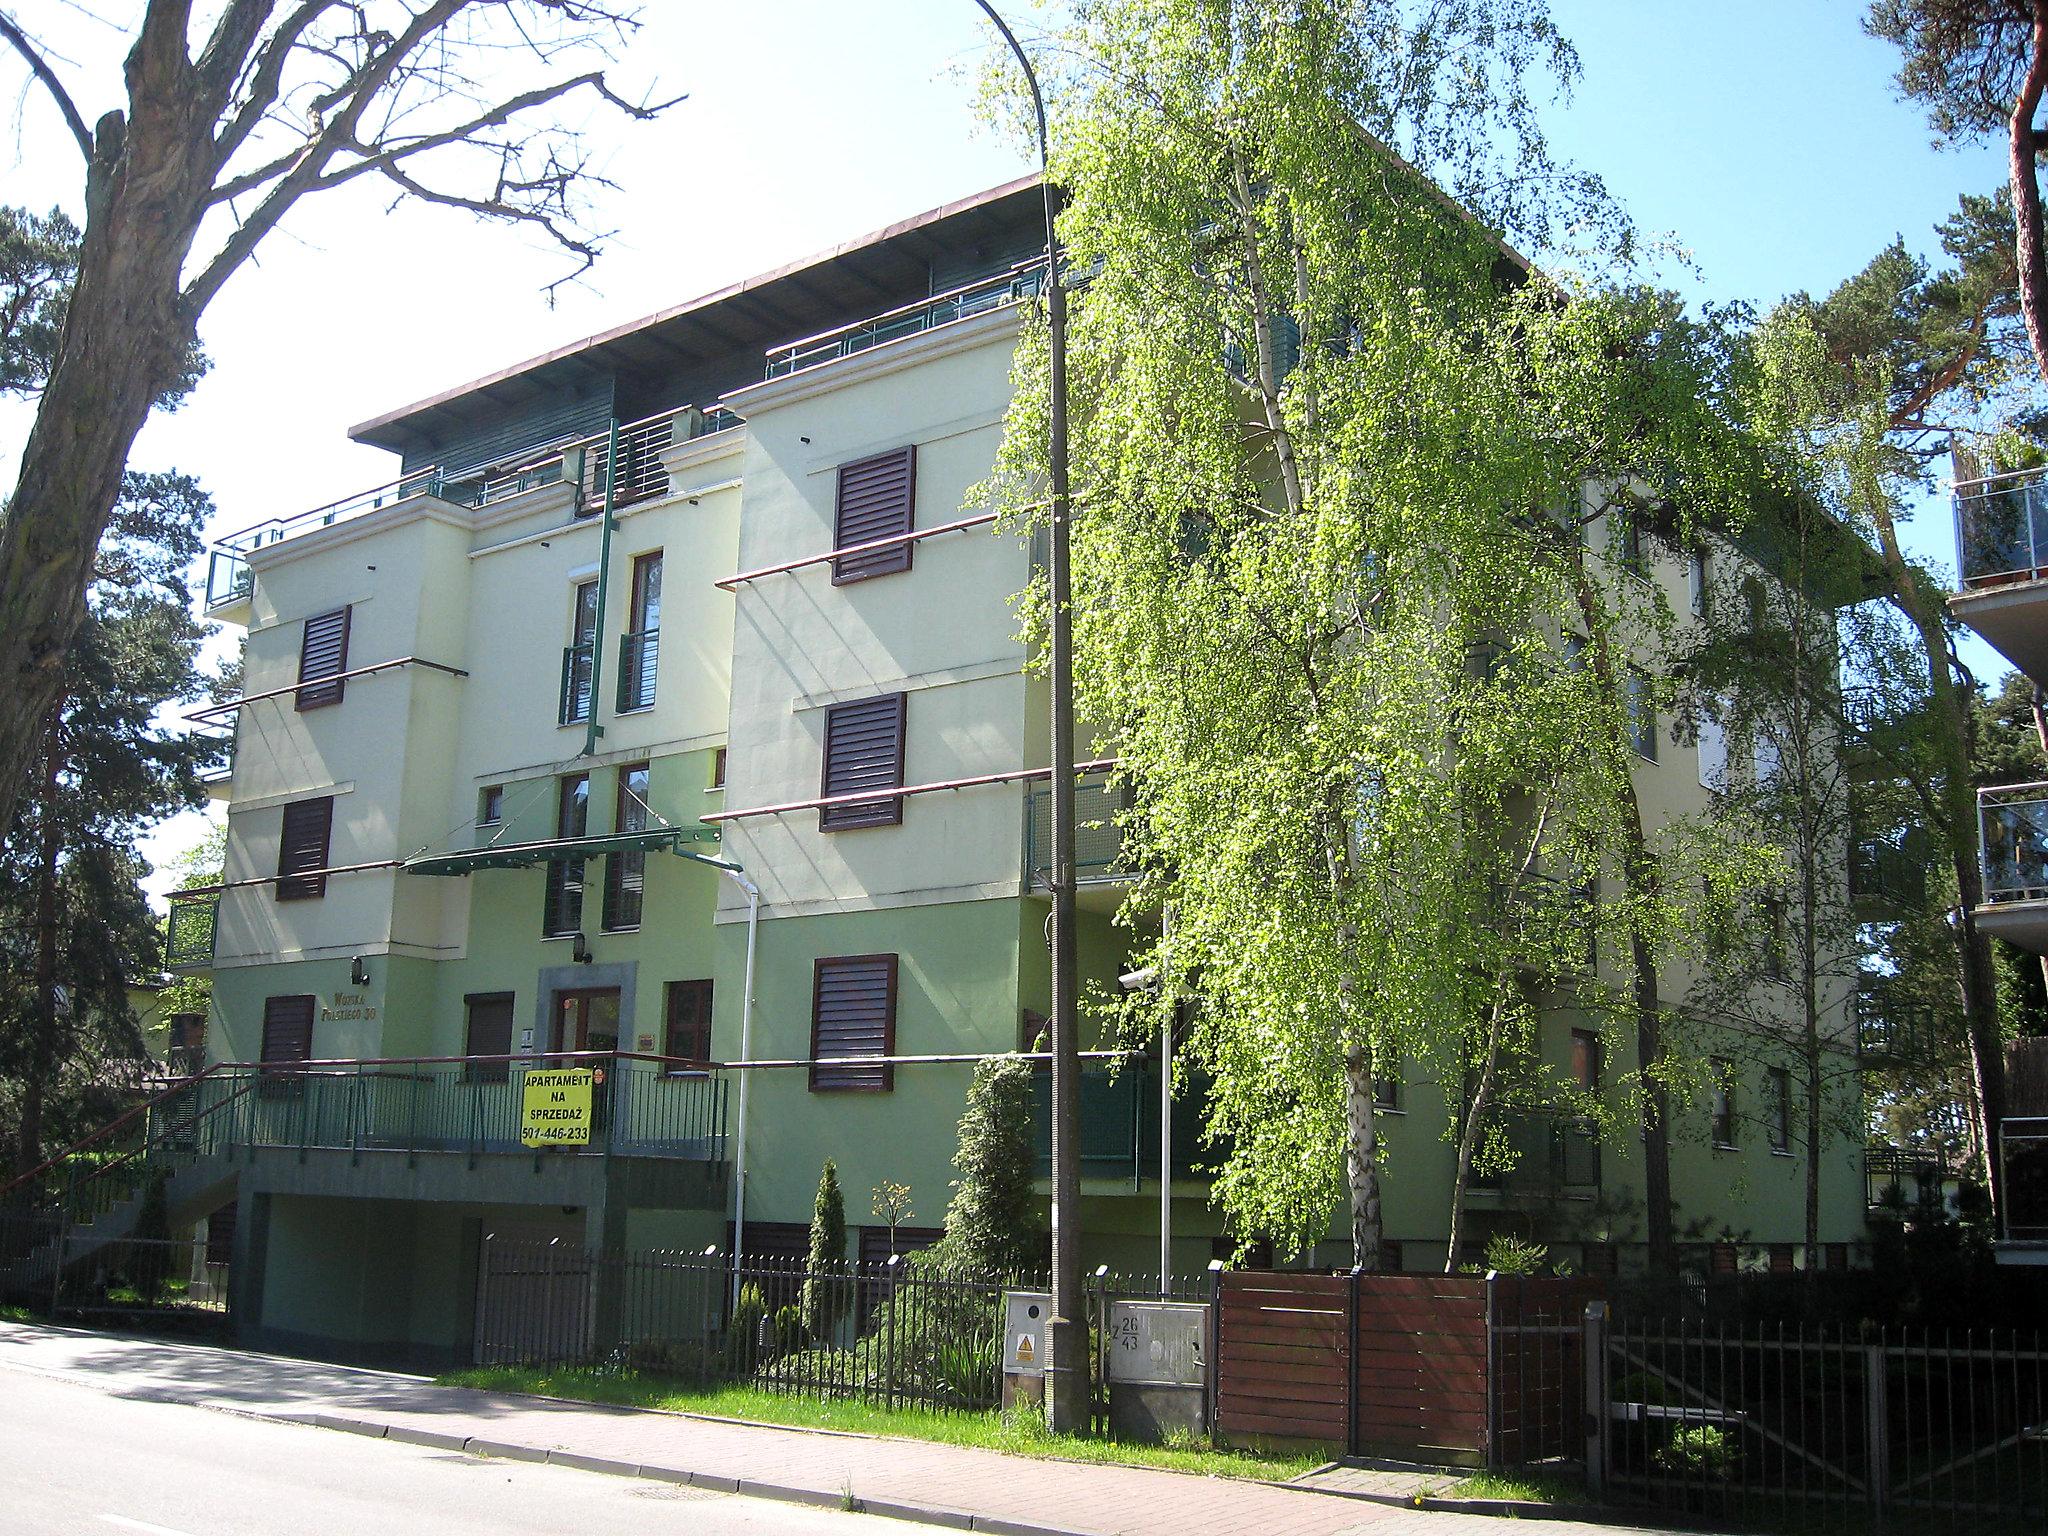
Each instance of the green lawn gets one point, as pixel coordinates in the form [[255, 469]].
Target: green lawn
[[1022, 1434], [1524, 1487]]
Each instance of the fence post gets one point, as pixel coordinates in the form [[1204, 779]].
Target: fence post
[[57, 1262], [1877, 1430], [1596, 1398], [895, 1273], [1212, 1376], [1351, 1362], [1493, 1383]]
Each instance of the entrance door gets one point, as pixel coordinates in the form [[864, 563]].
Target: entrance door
[[587, 1020]]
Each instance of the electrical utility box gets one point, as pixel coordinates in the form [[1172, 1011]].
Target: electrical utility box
[[1156, 1360], [1025, 1314]]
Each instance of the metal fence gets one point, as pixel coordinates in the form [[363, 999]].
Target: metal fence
[[1818, 1427], [911, 1332]]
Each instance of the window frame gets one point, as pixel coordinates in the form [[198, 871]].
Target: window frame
[[1780, 1122], [1724, 1104], [489, 1072], [641, 665], [490, 806], [1643, 723], [559, 881], [884, 1078], [672, 993], [624, 864], [580, 639]]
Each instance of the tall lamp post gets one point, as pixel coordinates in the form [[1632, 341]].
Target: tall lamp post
[[1067, 1384]]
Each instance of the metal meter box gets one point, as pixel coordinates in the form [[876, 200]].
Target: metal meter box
[[1156, 1356], [1025, 1314]]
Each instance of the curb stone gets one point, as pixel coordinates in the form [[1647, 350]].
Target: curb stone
[[506, 1450], [433, 1439], [603, 1464]]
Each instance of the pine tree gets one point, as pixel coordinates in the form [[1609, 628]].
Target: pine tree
[[992, 1225], [824, 1296]]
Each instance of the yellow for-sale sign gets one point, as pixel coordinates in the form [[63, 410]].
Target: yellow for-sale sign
[[555, 1108]]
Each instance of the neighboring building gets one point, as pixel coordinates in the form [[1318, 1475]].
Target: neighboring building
[[2002, 561], [502, 788]]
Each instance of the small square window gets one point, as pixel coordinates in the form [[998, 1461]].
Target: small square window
[[718, 768], [490, 805], [1386, 1093]]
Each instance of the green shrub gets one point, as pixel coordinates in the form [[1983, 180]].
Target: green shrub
[[1701, 1452], [824, 1293], [743, 1331]]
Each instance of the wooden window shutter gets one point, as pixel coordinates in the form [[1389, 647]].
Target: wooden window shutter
[[877, 500], [863, 751], [853, 1013], [303, 846], [489, 1034], [323, 651], [287, 1029]]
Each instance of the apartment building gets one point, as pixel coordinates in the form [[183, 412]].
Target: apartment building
[[668, 709], [2002, 567]]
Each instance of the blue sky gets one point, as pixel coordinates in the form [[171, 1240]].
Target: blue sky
[[1764, 137]]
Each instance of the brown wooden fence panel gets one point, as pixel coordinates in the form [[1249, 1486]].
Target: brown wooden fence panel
[[1419, 1353], [1282, 1357], [1538, 1367]]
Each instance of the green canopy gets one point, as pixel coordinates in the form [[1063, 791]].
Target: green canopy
[[553, 851]]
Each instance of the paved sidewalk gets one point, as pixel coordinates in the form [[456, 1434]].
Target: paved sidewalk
[[954, 1486]]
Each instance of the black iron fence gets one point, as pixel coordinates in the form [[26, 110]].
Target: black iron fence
[[1817, 1427], [911, 1332]]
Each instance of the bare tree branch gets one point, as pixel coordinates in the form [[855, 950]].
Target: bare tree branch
[[40, 68]]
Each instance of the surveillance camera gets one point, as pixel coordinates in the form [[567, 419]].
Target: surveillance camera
[[1146, 980]]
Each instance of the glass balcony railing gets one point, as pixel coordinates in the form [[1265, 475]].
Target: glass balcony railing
[[1120, 1125], [2002, 528], [1005, 288], [2013, 831], [189, 930]]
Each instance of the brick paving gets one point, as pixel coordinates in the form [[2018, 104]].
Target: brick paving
[[950, 1485]]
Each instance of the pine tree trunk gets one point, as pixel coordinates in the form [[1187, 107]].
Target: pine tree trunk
[[42, 1052], [2022, 149]]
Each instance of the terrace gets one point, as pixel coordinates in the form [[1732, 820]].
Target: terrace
[[2002, 562], [2012, 825]]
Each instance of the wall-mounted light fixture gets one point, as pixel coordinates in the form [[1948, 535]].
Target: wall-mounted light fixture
[[359, 971], [579, 949]]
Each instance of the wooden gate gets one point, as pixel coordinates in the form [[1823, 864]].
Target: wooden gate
[[533, 1302]]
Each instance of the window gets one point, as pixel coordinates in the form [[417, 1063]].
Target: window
[[1386, 1093], [1723, 1072], [1781, 1259], [1625, 541], [287, 1040], [1642, 714], [718, 768], [302, 846], [1713, 747], [853, 1013], [580, 655], [490, 805], [863, 751], [1699, 583], [323, 652], [489, 1033], [1772, 912], [640, 647], [687, 1021], [1767, 759], [625, 874], [562, 913], [1586, 1060], [1781, 1110], [1034, 1033], [876, 500]]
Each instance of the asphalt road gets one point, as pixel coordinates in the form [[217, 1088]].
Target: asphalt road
[[76, 1462]]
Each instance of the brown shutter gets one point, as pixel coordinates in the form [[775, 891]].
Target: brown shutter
[[853, 1013], [688, 1033], [303, 846], [863, 751], [323, 651], [877, 500], [489, 1034], [287, 1029]]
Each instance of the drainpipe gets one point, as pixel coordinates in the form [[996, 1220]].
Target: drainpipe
[[592, 730], [1166, 1157], [739, 1157]]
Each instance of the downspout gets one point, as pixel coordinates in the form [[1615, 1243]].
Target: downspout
[[739, 1156], [592, 730], [1166, 1156]]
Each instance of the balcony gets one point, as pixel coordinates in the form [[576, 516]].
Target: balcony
[[2012, 826], [1555, 1157], [1098, 839], [2002, 555], [188, 933], [1120, 1125], [585, 461], [977, 298]]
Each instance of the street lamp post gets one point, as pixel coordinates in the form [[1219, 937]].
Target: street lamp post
[[1067, 1386]]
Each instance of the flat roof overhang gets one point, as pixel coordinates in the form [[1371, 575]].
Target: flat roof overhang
[[2013, 618], [558, 850], [876, 271]]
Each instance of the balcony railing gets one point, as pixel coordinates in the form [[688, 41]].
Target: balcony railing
[[639, 653], [2012, 826], [577, 663], [2002, 528], [190, 927], [642, 476], [1023, 281], [1098, 839], [1120, 1125], [1554, 1157]]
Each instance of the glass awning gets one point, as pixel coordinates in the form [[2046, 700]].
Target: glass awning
[[467, 861]]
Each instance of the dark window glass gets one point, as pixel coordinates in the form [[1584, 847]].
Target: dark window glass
[[579, 657], [688, 1024], [1781, 1110], [1724, 1102], [563, 910], [489, 1033], [1586, 1060], [625, 881], [490, 805], [639, 648]]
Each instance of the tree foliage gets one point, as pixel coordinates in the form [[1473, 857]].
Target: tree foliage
[[992, 1226], [823, 1297]]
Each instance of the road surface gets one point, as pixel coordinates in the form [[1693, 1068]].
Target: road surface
[[78, 1462]]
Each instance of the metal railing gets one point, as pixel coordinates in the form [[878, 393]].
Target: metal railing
[[1020, 282], [1120, 1125], [578, 662], [1098, 836], [2002, 528], [639, 656], [2012, 824], [190, 928], [642, 476]]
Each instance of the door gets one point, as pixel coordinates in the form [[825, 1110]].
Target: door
[[587, 1020]]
